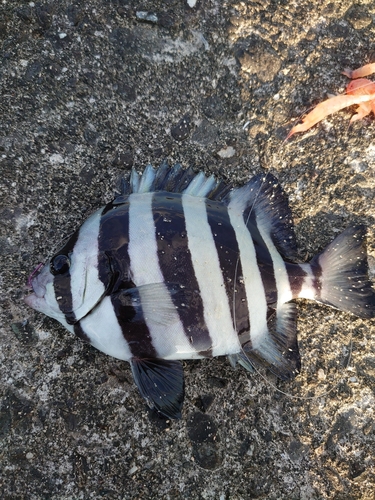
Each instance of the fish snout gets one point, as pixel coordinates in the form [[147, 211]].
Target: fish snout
[[39, 279]]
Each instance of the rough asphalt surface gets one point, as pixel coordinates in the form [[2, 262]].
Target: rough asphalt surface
[[89, 89]]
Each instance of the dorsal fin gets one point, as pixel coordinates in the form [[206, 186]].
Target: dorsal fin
[[174, 180], [264, 205]]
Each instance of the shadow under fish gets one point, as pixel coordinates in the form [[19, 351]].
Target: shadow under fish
[[181, 266]]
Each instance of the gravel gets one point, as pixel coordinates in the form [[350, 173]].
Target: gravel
[[90, 89]]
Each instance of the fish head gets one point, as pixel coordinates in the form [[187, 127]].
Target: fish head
[[68, 286], [43, 297]]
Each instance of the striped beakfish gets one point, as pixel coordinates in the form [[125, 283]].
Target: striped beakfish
[[181, 266]]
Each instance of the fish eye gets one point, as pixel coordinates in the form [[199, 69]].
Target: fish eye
[[60, 264]]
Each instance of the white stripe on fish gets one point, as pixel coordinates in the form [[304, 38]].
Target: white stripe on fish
[[207, 270], [102, 328], [85, 283], [145, 269], [255, 293]]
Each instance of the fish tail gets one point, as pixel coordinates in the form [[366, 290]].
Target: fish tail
[[340, 274]]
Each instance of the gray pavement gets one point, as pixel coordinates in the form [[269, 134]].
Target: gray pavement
[[89, 89]]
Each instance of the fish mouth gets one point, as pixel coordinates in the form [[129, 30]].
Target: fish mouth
[[33, 274], [34, 285]]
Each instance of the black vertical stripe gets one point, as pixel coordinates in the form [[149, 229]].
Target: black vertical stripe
[[296, 275], [115, 274], [62, 282], [263, 256], [230, 263], [78, 330], [265, 266], [177, 268], [128, 310], [317, 282]]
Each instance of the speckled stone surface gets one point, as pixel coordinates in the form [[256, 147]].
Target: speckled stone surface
[[89, 89]]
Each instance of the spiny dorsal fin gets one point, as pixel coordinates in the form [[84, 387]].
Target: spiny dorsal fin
[[174, 180]]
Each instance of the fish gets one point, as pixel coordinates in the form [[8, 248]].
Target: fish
[[182, 266]]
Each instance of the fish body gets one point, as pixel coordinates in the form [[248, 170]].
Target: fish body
[[180, 266]]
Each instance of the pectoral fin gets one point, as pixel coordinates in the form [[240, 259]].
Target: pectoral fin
[[152, 298], [161, 383]]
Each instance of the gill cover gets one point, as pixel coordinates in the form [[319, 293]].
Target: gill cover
[[76, 282]]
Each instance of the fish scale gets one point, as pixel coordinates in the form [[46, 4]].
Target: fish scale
[[181, 266]]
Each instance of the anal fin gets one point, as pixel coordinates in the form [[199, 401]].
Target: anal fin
[[241, 359], [285, 334], [161, 384], [279, 350]]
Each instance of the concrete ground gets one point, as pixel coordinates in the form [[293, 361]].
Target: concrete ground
[[89, 89]]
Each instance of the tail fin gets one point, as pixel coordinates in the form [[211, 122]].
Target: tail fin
[[342, 274]]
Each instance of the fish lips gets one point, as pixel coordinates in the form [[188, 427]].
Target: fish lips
[[37, 282], [35, 302]]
